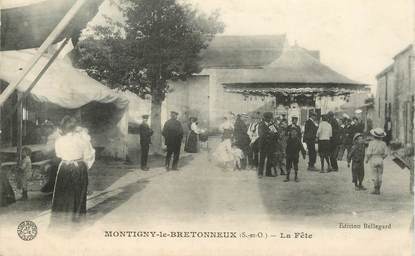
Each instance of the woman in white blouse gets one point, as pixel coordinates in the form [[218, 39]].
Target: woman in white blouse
[[77, 156]]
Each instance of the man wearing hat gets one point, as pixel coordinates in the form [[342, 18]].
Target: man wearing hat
[[145, 140], [268, 136], [310, 131], [375, 153], [253, 136], [173, 135], [334, 141]]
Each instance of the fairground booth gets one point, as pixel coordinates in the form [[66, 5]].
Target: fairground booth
[[39, 87], [296, 80]]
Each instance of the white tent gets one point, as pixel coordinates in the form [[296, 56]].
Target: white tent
[[70, 88], [62, 84]]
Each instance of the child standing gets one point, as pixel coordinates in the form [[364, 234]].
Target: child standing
[[238, 155], [357, 155], [294, 146], [223, 154], [376, 152], [24, 171]]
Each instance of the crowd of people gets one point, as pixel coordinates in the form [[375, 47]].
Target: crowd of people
[[272, 147], [261, 142]]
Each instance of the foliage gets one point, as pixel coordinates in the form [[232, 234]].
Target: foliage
[[159, 40]]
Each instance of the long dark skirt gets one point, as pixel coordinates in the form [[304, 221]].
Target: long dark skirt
[[191, 143], [69, 196], [6, 191]]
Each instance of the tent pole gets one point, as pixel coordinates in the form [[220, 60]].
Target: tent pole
[[39, 76], [42, 49], [19, 128]]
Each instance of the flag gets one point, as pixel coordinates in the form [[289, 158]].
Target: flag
[[27, 26]]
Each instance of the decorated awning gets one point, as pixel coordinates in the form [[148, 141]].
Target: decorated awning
[[295, 74], [27, 23]]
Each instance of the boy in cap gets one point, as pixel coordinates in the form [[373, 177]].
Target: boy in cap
[[357, 155], [295, 126], [376, 152], [294, 146], [145, 140]]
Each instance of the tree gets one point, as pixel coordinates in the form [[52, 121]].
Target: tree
[[158, 41]]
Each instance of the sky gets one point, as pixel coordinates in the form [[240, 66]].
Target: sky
[[357, 38]]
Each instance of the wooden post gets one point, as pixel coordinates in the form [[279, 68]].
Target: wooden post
[[19, 128], [42, 49]]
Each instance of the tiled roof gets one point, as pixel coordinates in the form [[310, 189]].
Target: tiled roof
[[242, 51], [294, 69]]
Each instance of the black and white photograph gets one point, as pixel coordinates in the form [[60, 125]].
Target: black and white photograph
[[207, 127]]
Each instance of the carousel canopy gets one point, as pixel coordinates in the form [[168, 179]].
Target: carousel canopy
[[294, 72], [27, 23]]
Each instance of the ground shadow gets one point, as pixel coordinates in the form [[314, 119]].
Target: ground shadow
[[111, 203], [328, 194]]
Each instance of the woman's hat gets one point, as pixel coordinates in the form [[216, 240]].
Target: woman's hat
[[378, 132], [357, 135]]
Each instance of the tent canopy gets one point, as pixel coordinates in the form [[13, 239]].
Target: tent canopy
[[103, 110], [62, 84], [294, 72], [27, 23]]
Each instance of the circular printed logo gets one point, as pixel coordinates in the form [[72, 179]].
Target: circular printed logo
[[27, 230]]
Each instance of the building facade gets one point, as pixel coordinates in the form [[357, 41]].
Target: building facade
[[395, 96], [204, 96]]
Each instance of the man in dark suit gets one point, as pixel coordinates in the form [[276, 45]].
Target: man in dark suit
[[334, 141], [309, 138], [173, 135], [268, 136], [145, 140]]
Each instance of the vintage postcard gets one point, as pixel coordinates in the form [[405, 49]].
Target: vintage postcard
[[190, 127]]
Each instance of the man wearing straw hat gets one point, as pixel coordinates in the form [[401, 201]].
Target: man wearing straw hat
[[376, 152]]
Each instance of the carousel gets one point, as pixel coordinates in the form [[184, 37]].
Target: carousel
[[295, 77]]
